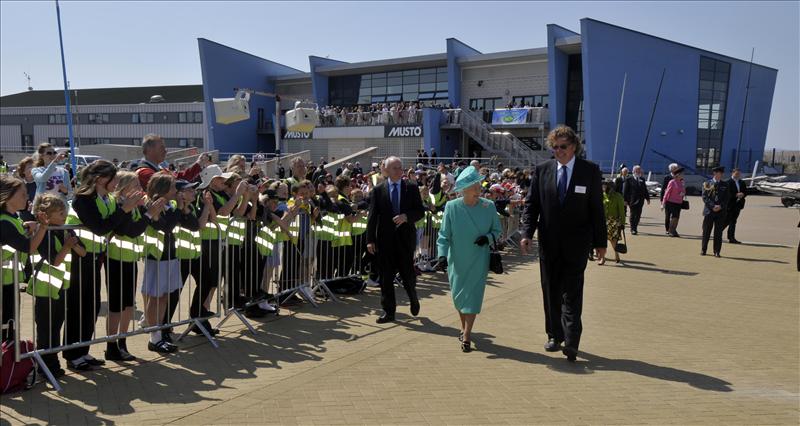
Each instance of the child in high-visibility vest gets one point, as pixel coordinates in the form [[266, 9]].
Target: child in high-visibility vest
[[94, 207], [234, 273], [50, 278], [187, 239], [162, 268], [125, 248], [270, 247], [211, 235], [14, 239]]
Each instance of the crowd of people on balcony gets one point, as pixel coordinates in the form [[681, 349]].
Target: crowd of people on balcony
[[372, 115]]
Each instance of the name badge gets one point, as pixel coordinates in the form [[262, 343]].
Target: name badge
[[580, 189]]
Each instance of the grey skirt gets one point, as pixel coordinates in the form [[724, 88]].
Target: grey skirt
[[161, 277]]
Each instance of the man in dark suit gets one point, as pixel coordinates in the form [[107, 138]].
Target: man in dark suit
[[395, 206], [667, 178], [634, 191], [565, 205], [736, 195], [715, 206]]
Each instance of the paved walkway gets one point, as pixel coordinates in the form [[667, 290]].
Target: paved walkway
[[669, 337]]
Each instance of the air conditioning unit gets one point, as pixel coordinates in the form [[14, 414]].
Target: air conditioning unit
[[303, 118], [232, 110]]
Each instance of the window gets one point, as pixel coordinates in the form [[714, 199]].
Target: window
[[574, 104], [99, 141], [57, 119], [485, 104], [134, 118], [98, 118], [530, 100], [389, 86], [182, 142], [181, 117], [145, 118], [711, 104], [136, 141]]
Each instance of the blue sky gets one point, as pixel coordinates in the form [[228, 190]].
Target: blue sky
[[113, 44]]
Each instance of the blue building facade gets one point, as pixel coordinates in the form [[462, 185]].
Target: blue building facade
[[681, 104]]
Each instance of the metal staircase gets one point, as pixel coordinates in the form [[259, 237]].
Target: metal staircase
[[503, 145]]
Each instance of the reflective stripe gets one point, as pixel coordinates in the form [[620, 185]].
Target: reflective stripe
[[126, 245]]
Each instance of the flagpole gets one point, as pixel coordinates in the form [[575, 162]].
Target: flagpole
[[619, 120], [73, 160]]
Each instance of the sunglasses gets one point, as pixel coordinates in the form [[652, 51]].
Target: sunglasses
[[561, 147]]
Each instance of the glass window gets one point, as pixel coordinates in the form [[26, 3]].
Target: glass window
[[441, 86], [410, 79], [427, 78], [379, 75], [394, 89], [364, 92], [198, 118], [363, 100], [134, 118], [378, 82], [393, 98], [427, 87], [394, 74], [428, 71], [379, 90], [51, 119], [441, 69], [410, 96], [181, 117], [441, 95], [711, 105], [442, 76], [423, 96], [394, 81], [407, 73], [376, 99]]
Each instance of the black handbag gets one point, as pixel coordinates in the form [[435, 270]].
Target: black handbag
[[495, 259], [685, 205], [622, 247]]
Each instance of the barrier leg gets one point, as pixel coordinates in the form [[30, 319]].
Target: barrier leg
[[233, 311], [47, 372], [202, 328]]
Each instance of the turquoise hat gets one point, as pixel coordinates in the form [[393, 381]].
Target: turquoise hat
[[467, 178]]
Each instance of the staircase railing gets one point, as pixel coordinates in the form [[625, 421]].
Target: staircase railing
[[501, 144]]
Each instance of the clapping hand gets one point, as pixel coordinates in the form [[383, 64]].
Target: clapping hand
[[132, 199], [482, 240], [156, 207]]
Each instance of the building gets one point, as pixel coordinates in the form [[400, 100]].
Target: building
[[681, 103], [120, 116]]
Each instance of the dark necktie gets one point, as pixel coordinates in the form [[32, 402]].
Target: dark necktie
[[562, 184], [395, 199]]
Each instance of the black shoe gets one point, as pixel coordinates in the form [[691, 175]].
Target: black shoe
[[415, 307], [717, 255], [703, 253], [162, 347], [734, 241], [552, 345], [79, 365], [207, 325], [383, 319], [571, 353], [634, 232], [166, 335], [466, 346], [94, 362], [57, 372]]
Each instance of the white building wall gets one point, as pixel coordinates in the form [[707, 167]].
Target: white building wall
[[504, 81], [328, 148], [129, 131], [121, 108], [10, 138]]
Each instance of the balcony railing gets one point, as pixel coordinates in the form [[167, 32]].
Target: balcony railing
[[369, 118], [536, 117]]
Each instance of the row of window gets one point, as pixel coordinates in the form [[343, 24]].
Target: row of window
[[171, 142], [711, 105], [409, 85], [136, 118]]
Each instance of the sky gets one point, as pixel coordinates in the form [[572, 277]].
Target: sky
[[118, 44]]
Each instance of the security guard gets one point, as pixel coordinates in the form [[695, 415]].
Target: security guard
[[715, 205]]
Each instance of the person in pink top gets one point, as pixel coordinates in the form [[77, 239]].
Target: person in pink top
[[673, 200]]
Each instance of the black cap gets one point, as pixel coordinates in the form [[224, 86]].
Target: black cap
[[181, 184], [719, 169]]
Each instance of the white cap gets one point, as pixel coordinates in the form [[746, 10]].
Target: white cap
[[210, 172]]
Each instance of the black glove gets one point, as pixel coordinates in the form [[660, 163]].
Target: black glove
[[482, 240], [441, 264]]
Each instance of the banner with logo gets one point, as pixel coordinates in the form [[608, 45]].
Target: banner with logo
[[402, 132], [297, 135], [510, 116]]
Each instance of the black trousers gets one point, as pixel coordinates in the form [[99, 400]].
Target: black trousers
[[717, 223], [392, 263], [7, 311], [121, 284], [83, 303], [49, 314], [234, 276], [562, 293], [730, 223], [325, 260], [209, 276], [636, 216]]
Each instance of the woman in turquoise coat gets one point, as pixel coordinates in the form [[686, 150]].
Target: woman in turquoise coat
[[468, 226]]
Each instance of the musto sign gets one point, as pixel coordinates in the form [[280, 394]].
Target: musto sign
[[402, 132]]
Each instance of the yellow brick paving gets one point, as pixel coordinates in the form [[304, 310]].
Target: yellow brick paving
[[670, 337]]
